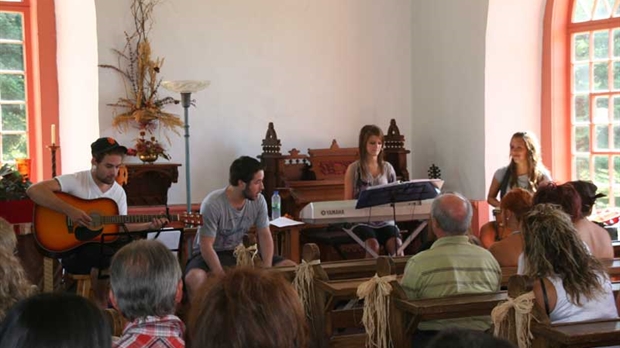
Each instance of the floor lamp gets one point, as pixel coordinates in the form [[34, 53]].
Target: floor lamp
[[186, 88]]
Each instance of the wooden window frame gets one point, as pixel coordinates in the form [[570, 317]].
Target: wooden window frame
[[41, 80], [556, 84]]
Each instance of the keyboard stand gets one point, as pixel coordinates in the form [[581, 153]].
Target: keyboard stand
[[392, 194], [357, 239]]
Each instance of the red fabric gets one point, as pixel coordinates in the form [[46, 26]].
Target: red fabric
[[153, 332]]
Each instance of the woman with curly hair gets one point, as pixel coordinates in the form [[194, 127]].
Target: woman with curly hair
[[514, 205], [569, 283], [14, 285], [525, 170]]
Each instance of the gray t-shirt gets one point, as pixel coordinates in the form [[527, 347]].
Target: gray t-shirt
[[227, 224], [522, 180]]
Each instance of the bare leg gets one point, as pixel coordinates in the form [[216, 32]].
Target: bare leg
[[285, 263], [373, 244], [194, 280], [392, 245]]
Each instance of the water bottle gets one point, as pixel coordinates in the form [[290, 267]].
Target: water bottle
[[276, 204]]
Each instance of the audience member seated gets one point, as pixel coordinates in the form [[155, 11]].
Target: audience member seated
[[372, 170], [53, 320], [452, 266], [568, 198], [459, 338], [514, 205], [525, 170], [597, 238], [146, 286], [14, 285], [569, 283], [248, 308]]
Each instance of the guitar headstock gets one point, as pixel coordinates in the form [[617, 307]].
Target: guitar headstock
[[193, 219], [434, 172]]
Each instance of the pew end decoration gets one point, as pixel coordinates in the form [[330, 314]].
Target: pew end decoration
[[247, 252], [376, 295]]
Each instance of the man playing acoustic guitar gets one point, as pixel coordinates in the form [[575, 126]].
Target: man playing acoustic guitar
[[98, 182]]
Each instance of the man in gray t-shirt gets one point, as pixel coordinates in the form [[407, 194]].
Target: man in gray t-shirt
[[228, 214]]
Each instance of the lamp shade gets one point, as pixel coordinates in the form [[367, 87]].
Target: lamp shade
[[185, 86]]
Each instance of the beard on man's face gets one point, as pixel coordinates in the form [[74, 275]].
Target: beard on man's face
[[248, 194]]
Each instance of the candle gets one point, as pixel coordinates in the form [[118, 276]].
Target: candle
[[53, 134]]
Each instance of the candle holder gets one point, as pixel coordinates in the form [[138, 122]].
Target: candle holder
[[53, 148]]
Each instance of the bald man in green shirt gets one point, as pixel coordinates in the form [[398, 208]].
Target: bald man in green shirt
[[451, 266]]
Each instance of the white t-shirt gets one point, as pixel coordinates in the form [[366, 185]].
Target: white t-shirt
[[82, 185]]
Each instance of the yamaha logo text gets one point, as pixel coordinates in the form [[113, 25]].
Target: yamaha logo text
[[333, 212]]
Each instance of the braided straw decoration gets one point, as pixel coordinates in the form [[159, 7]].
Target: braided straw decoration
[[376, 295], [245, 256], [523, 315], [304, 274]]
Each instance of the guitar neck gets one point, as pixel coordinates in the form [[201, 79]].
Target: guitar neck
[[130, 219]]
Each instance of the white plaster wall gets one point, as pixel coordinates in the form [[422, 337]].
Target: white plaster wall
[[78, 83], [318, 69], [513, 77], [448, 60]]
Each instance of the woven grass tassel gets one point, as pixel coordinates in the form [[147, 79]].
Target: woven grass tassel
[[376, 295], [245, 256], [523, 316], [303, 284]]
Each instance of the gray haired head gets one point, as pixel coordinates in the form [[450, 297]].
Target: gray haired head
[[452, 212], [144, 276]]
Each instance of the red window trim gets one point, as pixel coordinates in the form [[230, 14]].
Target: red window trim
[[41, 81]]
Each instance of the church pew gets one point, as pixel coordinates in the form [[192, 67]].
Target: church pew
[[593, 333]]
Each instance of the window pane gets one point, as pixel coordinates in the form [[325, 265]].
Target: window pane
[[582, 139], [581, 108], [12, 87], [11, 57], [13, 146], [601, 110], [602, 137], [583, 10], [603, 9], [581, 76], [601, 169], [617, 75], [11, 26], [582, 168], [617, 41], [617, 14], [616, 106], [616, 137], [603, 202], [13, 117], [601, 76], [582, 46], [601, 45]]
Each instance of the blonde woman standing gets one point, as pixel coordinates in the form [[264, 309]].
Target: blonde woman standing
[[372, 170]]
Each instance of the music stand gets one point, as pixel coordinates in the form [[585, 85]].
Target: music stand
[[415, 190]]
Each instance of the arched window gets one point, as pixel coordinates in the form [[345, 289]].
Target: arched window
[[581, 93]]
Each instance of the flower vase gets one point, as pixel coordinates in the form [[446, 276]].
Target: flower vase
[[148, 158]]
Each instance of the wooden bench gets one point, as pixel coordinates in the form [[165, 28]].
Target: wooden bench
[[594, 333]]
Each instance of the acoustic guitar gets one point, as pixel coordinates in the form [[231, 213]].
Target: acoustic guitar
[[56, 233]]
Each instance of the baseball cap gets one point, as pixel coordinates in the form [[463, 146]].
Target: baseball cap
[[103, 145]]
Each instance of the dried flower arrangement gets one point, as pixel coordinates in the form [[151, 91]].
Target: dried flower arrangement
[[139, 72]]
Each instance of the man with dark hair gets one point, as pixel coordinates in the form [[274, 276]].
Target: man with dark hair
[[98, 182], [146, 286], [228, 215], [451, 266]]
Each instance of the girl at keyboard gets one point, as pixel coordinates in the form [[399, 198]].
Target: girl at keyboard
[[371, 170]]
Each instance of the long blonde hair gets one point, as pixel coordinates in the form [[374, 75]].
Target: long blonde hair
[[14, 285], [553, 248], [365, 133], [534, 161]]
